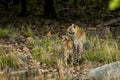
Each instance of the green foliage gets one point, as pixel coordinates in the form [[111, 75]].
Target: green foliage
[[35, 7], [4, 32], [114, 4], [45, 50], [70, 2], [7, 58], [103, 51], [26, 31], [8, 61]]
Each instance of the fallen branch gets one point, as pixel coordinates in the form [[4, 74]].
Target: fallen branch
[[113, 21]]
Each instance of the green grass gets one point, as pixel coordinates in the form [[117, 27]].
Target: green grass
[[105, 51], [7, 57], [4, 32], [27, 31], [8, 61], [45, 50], [50, 50]]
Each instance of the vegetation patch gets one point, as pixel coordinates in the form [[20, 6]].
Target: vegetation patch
[[46, 50], [8, 57], [105, 51], [4, 32], [27, 31]]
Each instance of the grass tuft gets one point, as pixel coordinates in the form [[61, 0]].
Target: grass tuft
[[4, 32], [7, 57], [46, 50], [103, 51], [27, 31]]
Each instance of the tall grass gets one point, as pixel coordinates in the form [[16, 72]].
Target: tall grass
[[5, 32], [103, 50], [8, 57], [27, 31], [46, 50]]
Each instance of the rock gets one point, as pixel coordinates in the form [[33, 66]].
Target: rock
[[24, 58], [106, 72]]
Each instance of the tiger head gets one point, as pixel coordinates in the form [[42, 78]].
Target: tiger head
[[72, 30], [66, 38], [68, 43]]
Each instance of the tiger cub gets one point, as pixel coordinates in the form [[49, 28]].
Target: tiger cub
[[68, 50], [78, 36]]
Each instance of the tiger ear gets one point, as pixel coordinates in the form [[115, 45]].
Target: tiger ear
[[73, 25]]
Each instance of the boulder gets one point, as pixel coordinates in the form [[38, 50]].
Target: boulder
[[106, 72]]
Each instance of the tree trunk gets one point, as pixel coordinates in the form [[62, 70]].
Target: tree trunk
[[6, 4], [49, 9], [24, 8], [16, 2], [75, 1]]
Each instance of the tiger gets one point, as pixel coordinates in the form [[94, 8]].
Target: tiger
[[78, 36], [68, 50]]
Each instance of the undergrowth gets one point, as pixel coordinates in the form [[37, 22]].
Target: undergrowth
[[5, 32], [46, 50], [26, 31], [8, 57], [49, 51], [103, 50]]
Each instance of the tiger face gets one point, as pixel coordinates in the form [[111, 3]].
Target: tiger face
[[68, 43], [75, 32], [71, 30]]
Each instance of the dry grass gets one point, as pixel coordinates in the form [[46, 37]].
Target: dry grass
[[46, 50], [103, 50]]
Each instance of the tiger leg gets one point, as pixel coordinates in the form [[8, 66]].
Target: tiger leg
[[76, 57]]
